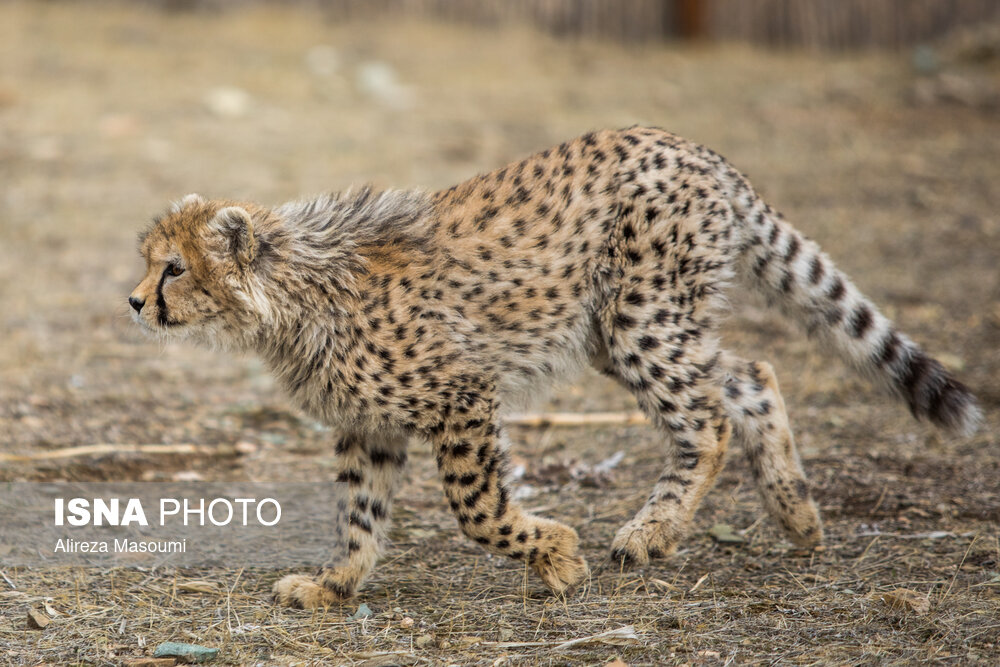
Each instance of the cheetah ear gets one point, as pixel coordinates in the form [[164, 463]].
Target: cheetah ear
[[188, 200], [236, 226]]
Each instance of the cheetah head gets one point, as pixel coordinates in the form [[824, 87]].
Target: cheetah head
[[200, 280]]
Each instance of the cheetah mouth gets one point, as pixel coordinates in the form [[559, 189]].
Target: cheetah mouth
[[162, 325]]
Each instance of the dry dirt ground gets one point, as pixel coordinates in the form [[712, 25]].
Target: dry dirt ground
[[105, 115]]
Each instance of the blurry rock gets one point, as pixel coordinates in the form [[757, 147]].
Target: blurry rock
[[322, 60], [188, 476], [191, 653], [38, 620], [724, 534], [925, 60], [228, 102], [245, 448], [364, 611], [379, 80]]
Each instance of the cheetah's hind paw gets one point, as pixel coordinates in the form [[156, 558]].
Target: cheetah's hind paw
[[300, 592]]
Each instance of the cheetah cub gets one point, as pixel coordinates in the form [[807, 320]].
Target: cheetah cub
[[397, 314]]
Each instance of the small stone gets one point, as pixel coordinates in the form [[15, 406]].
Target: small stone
[[925, 60], [228, 102], [423, 641], [724, 534], [151, 662], [245, 448], [364, 611], [407, 622], [379, 81], [37, 619], [190, 653]]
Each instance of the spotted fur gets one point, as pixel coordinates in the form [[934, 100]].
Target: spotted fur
[[393, 315]]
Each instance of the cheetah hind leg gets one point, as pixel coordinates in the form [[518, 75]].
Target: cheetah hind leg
[[760, 427], [683, 400]]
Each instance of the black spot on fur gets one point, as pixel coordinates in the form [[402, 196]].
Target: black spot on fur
[[861, 321], [888, 349], [816, 270], [837, 289]]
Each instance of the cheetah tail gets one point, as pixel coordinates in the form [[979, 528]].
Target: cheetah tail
[[794, 274]]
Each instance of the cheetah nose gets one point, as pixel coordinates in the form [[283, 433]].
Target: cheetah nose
[[136, 303]]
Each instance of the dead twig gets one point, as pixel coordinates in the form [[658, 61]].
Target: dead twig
[[578, 419], [105, 449]]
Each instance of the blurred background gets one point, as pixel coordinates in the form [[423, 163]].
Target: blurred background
[[874, 125]]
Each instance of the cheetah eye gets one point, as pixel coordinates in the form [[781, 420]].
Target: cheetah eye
[[175, 270]]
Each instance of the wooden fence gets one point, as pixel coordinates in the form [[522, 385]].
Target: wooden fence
[[821, 24]]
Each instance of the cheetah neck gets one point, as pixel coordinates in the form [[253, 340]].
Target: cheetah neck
[[312, 283]]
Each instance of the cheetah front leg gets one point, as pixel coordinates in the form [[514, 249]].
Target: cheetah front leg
[[472, 463], [372, 467]]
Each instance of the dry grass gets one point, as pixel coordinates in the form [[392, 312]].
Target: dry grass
[[103, 119]]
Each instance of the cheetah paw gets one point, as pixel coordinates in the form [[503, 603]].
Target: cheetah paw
[[639, 541], [559, 565], [301, 592], [561, 573]]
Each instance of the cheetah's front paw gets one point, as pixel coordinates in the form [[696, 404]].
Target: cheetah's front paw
[[301, 592], [561, 573], [559, 564], [640, 540]]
